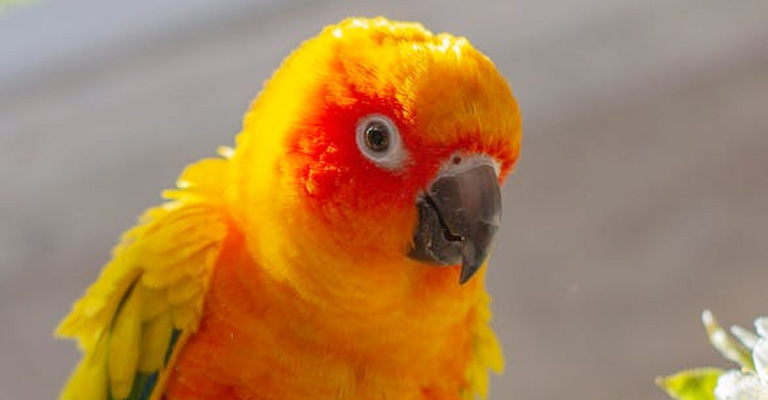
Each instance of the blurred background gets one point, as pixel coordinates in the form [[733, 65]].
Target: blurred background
[[641, 197]]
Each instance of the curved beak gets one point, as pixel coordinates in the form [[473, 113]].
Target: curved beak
[[459, 216]]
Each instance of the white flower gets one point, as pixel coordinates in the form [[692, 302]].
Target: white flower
[[737, 385], [751, 381]]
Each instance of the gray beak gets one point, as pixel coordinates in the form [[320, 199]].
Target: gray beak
[[459, 216]]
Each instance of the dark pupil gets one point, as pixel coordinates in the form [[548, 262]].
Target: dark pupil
[[377, 137]]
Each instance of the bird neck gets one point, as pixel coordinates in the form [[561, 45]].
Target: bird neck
[[425, 333]]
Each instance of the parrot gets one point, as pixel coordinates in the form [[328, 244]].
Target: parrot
[[336, 251]]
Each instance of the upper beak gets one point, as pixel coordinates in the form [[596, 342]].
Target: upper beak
[[459, 216]]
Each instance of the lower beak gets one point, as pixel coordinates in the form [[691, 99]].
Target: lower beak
[[459, 216]]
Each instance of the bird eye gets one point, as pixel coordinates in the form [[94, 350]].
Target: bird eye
[[379, 140], [377, 136]]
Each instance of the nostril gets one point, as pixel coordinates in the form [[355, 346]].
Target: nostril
[[456, 160]]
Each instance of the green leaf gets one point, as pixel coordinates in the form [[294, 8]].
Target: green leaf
[[694, 384]]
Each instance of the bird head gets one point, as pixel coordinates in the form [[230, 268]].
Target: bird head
[[373, 156]]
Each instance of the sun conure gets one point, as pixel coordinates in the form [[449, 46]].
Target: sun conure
[[335, 252]]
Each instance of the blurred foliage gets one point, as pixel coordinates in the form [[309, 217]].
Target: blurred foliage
[[7, 5]]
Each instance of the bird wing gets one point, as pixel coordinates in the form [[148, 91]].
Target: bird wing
[[149, 298]]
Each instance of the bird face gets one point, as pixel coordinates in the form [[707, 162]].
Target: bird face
[[396, 146]]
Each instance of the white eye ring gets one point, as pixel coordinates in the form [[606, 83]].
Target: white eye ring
[[379, 140]]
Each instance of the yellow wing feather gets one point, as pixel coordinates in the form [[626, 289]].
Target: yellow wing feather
[[154, 286], [486, 353]]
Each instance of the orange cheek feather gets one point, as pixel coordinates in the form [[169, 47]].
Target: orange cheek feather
[[344, 190]]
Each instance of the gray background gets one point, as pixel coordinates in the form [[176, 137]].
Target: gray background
[[641, 197]]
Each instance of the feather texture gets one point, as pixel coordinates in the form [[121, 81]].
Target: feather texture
[[486, 352], [154, 286], [282, 270]]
